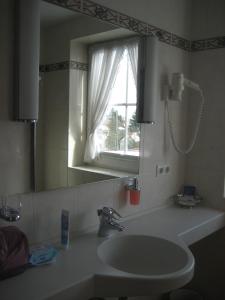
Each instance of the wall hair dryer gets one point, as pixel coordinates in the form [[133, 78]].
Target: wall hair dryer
[[178, 83], [175, 92]]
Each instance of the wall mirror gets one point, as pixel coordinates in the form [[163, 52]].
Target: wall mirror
[[87, 129]]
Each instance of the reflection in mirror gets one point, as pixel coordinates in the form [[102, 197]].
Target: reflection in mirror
[[87, 128]]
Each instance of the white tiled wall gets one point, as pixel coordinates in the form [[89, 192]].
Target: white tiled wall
[[52, 129], [6, 59], [14, 157], [59, 37], [172, 15], [205, 165], [207, 19], [84, 200], [90, 198], [14, 137], [157, 147], [41, 211]]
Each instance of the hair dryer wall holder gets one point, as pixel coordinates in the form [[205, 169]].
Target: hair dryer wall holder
[[174, 90]]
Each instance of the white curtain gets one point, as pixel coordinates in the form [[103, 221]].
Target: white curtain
[[132, 48], [105, 60]]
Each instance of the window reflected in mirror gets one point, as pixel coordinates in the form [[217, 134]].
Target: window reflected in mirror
[[87, 128], [119, 131]]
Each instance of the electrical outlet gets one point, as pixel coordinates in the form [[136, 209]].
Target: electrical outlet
[[162, 170], [167, 169], [159, 170]]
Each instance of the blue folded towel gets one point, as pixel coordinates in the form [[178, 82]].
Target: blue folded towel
[[43, 255]]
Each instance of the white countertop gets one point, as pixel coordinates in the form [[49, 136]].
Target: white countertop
[[73, 275]]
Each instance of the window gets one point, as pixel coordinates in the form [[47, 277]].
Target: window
[[111, 105], [119, 132]]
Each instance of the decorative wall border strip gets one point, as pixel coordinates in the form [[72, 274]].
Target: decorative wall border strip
[[64, 65], [76, 65], [208, 44], [116, 18]]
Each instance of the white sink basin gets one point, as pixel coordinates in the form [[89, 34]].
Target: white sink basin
[[146, 255]]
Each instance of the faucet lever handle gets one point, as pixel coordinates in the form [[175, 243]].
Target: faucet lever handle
[[109, 212], [115, 214]]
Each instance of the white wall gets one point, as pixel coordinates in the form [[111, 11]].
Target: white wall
[[207, 19], [172, 15], [205, 167], [14, 136], [77, 106], [56, 39], [6, 59], [157, 148], [41, 211], [52, 130]]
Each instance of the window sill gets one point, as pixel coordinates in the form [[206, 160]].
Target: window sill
[[120, 156], [104, 171]]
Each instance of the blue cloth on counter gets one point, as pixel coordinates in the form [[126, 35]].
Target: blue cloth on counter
[[43, 255]]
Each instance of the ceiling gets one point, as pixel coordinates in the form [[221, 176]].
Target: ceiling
[[53, 14]]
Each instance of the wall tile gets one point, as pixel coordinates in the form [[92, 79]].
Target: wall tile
[[14, 151], [47, 212], [208, 19], [152, 196], [205, 165], [91, 197], [55, 175], [210, 185], [170, 15], [121, 201]]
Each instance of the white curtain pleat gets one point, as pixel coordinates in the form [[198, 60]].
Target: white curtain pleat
[[104, 66], [132, 48]]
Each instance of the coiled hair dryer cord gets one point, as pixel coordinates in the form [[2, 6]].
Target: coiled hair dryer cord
[[171, 130]]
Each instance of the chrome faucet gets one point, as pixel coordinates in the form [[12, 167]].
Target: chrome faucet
[[108, 217], [8, 213]]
